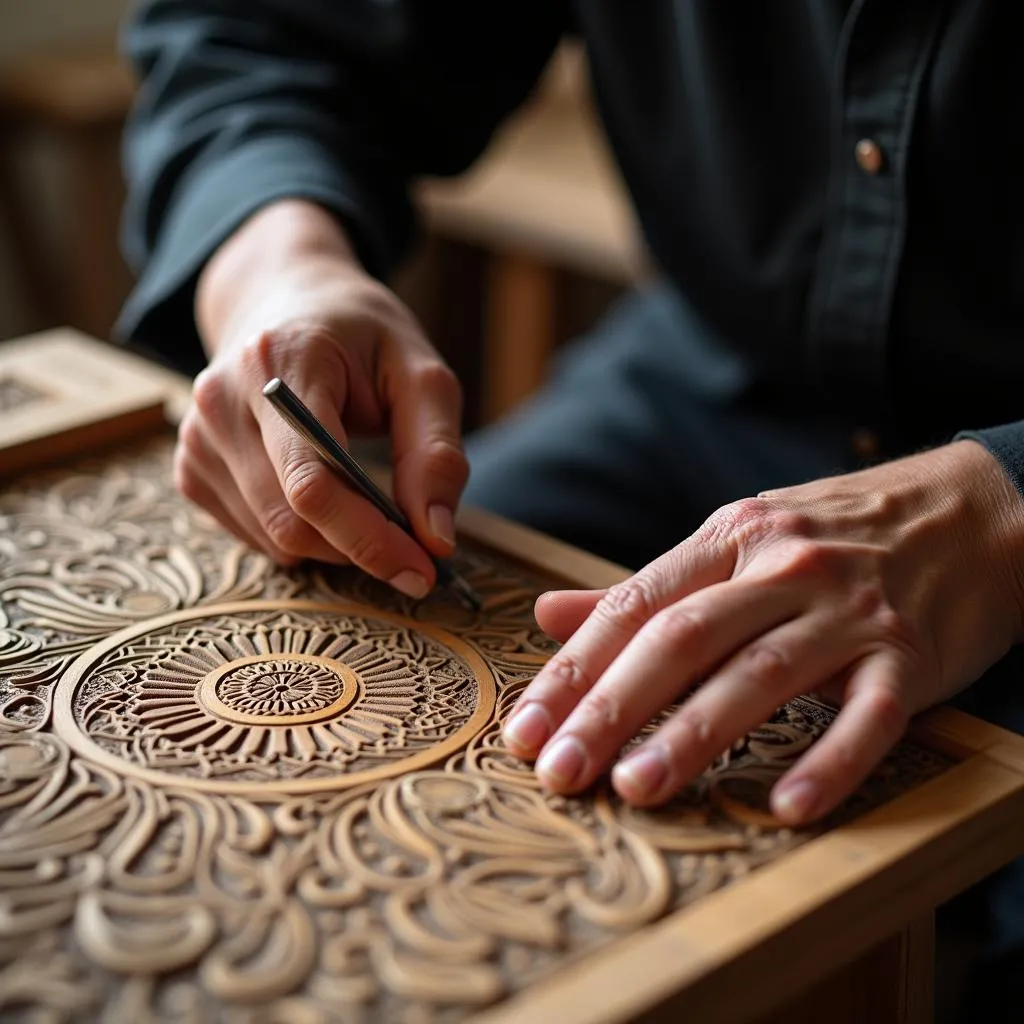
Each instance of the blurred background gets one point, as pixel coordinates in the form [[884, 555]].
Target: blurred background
[[523, 252]]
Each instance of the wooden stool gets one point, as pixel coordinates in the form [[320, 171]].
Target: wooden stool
[[545, 198], [80, 97]]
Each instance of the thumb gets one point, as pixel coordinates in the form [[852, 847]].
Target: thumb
[[561, 612], [426, 435]]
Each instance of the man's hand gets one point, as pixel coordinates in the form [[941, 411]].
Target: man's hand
[[285, 297], [885, 590]]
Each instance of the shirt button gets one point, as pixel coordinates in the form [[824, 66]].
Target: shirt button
[[865, 443], [869, 156]]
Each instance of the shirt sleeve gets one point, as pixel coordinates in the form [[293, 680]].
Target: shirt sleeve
[[1006, 443], [341, 102]]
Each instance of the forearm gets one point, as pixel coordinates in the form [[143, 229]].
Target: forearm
[[274, 241], [338, 105]]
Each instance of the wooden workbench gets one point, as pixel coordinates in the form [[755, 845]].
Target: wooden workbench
[[232, 792]]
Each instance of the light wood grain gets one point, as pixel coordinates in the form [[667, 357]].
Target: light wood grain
[[854, 903], [739, 953], [76, 394]]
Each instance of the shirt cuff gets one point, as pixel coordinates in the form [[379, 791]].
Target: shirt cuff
[[1006, 443], [214, 199]]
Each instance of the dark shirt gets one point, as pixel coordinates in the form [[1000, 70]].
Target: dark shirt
[[834, 187]]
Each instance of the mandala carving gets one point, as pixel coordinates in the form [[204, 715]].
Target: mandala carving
[[289, 695], [231, 792]]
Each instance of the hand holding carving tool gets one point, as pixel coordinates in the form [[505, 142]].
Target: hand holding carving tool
[[331, 450]]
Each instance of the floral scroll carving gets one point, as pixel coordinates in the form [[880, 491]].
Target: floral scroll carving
[[228, 792]]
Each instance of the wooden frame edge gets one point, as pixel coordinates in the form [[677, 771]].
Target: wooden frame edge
[[795, 919]]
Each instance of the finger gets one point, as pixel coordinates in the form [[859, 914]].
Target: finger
[[742, 693], [617, 616], [561, 612], [191, 482], [431, 469], [675, 650], [226, 440], [254, 496], [873, 719], [201, 471], [313, 496]]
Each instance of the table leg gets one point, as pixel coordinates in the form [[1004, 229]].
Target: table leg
[[99, 279], [892, 983], [519, 330], [37, 280]]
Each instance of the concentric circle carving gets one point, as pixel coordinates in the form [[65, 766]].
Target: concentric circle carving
[[272, 690], [285, 695]]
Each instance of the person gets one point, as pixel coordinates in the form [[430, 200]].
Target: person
[[804, 436]]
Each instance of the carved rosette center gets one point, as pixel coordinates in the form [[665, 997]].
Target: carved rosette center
[[270, 690]]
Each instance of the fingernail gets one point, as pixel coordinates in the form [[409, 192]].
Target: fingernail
[[442, 523], [528, 729], [410, 583], [794, 801], [641, 774], [563, 762]]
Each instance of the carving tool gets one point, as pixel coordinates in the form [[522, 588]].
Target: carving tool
[[331, 450]]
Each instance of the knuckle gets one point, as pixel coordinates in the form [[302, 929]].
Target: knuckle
[[305, 489], [447, 461], [867, 600], [191, 445], [680, 627], [366, 551], [749, 518], [601, 708], [790, 522], [629, 603], [188, 438], [284, 528], [890, 623], [692, 728], [260, 354], [262, 350], [569, 673], [806, 558], [768, 665], [186, 482], [745, 513], [870, 604], [210, 394], [373, 300], [888, 711], [438, 379]]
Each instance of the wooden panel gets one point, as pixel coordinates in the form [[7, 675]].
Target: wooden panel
[[60, 394], [233, 791]]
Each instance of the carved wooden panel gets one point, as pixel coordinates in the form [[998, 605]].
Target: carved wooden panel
[[230, 792]]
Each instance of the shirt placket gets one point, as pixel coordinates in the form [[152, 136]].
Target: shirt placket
[[881, 67]]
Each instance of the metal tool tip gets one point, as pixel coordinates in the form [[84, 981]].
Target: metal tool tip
[[271, 386], [467, 593]]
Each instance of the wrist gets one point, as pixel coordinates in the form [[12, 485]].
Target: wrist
[[999, 521], [273, 243]]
